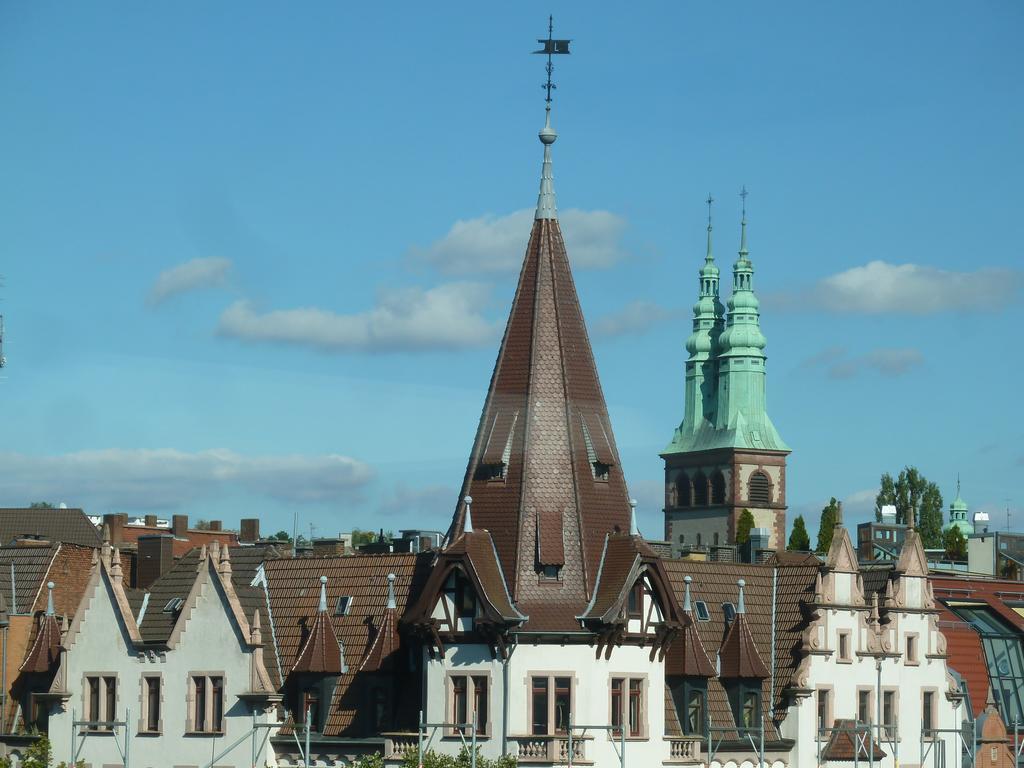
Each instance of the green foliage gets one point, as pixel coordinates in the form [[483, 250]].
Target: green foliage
[[433, 759], [39, 755], [375, 760], [360, 537], [283, 536], [827, 525], [743, 526], [912, 493], [799, 540], [41, 505], [955, 544]]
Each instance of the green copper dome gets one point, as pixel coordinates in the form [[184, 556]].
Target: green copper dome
[[958, 517]]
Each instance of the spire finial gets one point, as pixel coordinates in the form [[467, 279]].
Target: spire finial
[[741, 605], [391, 591], [49, 598], [634, 529], [743, 223], [958, 485], [686, 597], [323, 595], [467, 526], [709, 258], [546, 208]]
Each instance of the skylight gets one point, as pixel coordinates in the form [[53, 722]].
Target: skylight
[[343, 606], [174, 605], [729, 610], [702, 611]]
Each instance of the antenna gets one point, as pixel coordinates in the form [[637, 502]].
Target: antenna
[[3, 360]]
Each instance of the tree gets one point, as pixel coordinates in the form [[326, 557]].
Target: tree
[[799, 540], [743, 526], [38, 755], [432, 759], [913, 494], [955, 544], [282, 536], [41, 505], [202, 525], [826, 527]]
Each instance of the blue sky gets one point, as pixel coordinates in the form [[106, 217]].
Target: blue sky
[[256, 257]]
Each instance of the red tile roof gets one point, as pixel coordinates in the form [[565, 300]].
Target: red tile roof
[[544, 394], [321, 652]]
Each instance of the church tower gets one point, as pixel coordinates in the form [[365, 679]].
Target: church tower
[[726, 455]]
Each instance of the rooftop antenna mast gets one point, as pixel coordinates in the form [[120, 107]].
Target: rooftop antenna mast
[[3, 360]]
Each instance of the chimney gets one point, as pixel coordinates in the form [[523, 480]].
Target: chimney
[[322, 547], [150, 521], [115, 524], [179, 526], [155, 557], [250, 530], [216, 525]]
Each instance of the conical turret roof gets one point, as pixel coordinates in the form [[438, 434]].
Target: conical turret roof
[[544, 467]]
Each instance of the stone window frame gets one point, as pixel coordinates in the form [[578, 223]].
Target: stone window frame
[[895, 691], [645, 726], [912, 642], [103, 676], [848, 657], [830, 704], [190, 700], [872, 704], [449, 700], [143, 727], [574, 685], [934, 709]]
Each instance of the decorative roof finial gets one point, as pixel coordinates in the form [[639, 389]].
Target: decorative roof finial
[[49, 598], [546, 208], [391, 591], [323, 595], [741, 605], [467, 526], [743, 224], [709, 258], [686, 597], [634, 529]]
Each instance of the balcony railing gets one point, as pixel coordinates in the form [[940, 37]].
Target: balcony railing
[[551, 750], [685, 749], [398, 745]]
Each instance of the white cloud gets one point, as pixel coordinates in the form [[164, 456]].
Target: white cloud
[[433, 503], [445, 317], [166, 478], [878, 288], [635, 317], [192, 275], [492, 243], [890, 362]]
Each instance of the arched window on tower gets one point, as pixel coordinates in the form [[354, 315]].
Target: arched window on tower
[[759, 490], [684, 491], [700, 490], [717, 487]]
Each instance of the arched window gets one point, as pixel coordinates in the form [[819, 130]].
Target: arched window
[[684, 491], [759, 491], [698, 539], [700, 490], [718, 487], [716, 538]]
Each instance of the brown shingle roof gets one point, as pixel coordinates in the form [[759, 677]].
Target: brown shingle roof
[[45, 651], [30, 567], [321, 652], [739, 655], [545, 382], [294, 586], [54, 525], [843, 744]]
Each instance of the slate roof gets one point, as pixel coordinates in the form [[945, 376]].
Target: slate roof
[[294, 586], [715, 584], [545, 418], [53, 525]]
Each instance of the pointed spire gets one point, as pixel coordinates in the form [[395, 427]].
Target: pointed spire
[[686, 597], [323, 595], [391, 592], [49, 598], [743, 225], [546, 207], [115, 565], [741, 605], [467, 526], [225, 562], [255, 631], [634, 530]]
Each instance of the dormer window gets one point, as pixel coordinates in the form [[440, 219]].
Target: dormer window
[[702, 611], [634, 606], [745, 702], [343, 606], [498, 449], [600, 470], [489, 472], [597, 444], [551, 572], [465, 598]]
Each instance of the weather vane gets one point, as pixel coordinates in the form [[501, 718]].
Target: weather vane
[[709, 201], [743, 194], [551, 48]]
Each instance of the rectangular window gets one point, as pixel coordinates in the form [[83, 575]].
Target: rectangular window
[[844, 646], [616, 703], [93, 710], [636, 601], [750, 709], [469, 703], [823, 722], [927, 720], [695, 699], [911, 655], [889, 712], [460, 701], [635, 707], [562, 703], [864, 707], [311, 707], [110, 689], [152, 704], [207, 704], [480, 705], [540, 705]]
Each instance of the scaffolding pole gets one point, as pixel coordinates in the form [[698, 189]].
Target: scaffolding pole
[[743, 733], [609, 728], [90, 727], [459, 728], [931, 737]]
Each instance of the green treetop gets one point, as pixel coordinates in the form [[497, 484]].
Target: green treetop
[[827, 526], [914, 496], [799, 540], [744, 526]]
